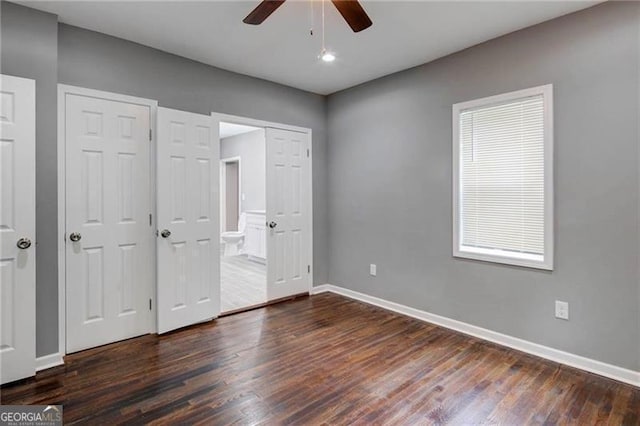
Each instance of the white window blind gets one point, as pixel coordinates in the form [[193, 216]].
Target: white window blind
[[501, 179]]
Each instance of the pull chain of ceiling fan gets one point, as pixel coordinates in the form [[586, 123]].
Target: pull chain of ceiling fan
[[323, 48], [324, 54], [311, 20]]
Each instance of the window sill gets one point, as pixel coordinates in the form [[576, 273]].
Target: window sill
[[497, 256]]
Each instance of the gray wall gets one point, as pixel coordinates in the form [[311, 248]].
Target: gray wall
[[390, 186], [251, 148], [28, 47]]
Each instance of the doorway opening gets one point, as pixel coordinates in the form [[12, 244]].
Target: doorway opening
[[243, 254]]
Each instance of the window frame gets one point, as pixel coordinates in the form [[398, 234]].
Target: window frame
[[495, 255]]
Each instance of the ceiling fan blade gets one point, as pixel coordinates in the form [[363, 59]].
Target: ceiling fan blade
[[262, 11], [354, 14]]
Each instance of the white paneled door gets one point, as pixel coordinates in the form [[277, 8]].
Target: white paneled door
[[109, 238], [17, 229], [288, 213], [188, 240]]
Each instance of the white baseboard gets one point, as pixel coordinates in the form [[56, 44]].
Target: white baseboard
[[49, 361], [597, 367]]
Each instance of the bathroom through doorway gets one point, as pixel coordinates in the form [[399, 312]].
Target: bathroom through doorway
[[243, 253], [267, 256]]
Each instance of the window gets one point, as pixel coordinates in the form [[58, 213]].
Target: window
[[503, 178]]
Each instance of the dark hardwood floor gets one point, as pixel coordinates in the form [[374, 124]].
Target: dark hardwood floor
[[322, 360]]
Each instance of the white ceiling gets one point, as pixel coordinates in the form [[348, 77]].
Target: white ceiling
[[230, 129], [404, 33]]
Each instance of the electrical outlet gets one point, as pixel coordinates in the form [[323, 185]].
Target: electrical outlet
[[562, 310], [372, 269]]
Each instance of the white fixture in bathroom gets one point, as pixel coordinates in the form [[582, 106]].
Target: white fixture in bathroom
[[255, 239], [233, 240]]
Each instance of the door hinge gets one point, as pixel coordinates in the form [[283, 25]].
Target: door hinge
[[308, 269], [307, 153], [150, 219], [149, 304], [150, 134]]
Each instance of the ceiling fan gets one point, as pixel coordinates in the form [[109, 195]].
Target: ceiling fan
[[351, 11]]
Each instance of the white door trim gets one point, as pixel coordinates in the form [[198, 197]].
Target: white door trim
[[64, 90], [223, 190], [235, 119]]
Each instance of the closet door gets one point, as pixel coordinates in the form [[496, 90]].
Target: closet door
[[188, 240], [109, 237], [17, 229]]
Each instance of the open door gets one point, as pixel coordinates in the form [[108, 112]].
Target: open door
[[188, 230], [288, 213], [17, 228]]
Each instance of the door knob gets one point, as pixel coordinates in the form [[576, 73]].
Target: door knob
[[165, 233], [272, 224], [75, 237], [23, 243]]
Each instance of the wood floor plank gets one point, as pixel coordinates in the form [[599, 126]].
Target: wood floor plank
[[319, 360]]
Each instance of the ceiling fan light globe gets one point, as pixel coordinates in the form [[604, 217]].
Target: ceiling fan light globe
[[327, 56]]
